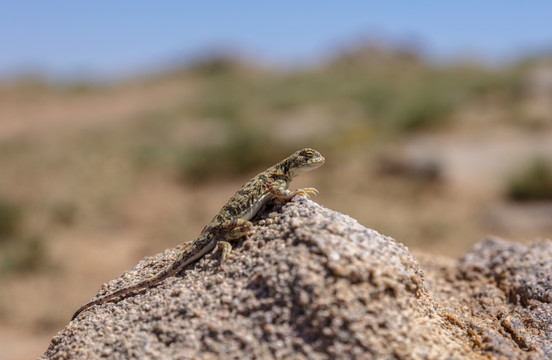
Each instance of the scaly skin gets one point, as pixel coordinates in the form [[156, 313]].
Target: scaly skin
[[232, 221]]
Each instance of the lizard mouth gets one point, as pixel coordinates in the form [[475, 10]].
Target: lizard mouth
[[316, 162], [311, 164]]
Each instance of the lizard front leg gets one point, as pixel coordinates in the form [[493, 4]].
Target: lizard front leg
[[279, 189]]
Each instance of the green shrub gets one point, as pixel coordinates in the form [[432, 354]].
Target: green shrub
[[220, 105], [237, 154], [421, 112], [534, 182], [24, 255], [10, 219]]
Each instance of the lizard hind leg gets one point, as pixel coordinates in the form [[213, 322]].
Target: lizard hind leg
[[243, 230], [238, 229], [225, 248]]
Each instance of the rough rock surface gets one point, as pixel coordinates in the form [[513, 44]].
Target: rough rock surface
[[314, 284]]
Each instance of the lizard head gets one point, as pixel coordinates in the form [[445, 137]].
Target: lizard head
[[304, 160]]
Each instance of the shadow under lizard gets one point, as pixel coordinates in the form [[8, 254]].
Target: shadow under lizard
[[232, 221]]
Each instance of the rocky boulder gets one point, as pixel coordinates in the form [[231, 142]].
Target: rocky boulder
[[312, 283]]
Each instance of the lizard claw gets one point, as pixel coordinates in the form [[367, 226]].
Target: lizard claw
[[306, 192]]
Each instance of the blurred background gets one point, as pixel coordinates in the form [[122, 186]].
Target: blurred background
[[125, 126]]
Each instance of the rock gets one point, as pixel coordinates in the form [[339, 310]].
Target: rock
[[315, 284], [503, 297]]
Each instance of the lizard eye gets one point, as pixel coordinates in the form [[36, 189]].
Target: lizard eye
[[307, 153]]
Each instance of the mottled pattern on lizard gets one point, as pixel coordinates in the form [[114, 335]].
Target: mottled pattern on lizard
[[232, 222]]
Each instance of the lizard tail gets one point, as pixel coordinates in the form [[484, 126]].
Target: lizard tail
[[125, 291], [154, 280], [189, 254]]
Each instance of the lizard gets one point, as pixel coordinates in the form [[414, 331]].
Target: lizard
[[233, 220]]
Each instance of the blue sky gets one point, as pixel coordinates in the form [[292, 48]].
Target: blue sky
[[117, 38]]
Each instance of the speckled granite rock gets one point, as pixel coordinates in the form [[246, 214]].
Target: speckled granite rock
[[314, 284], [501, 295]]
